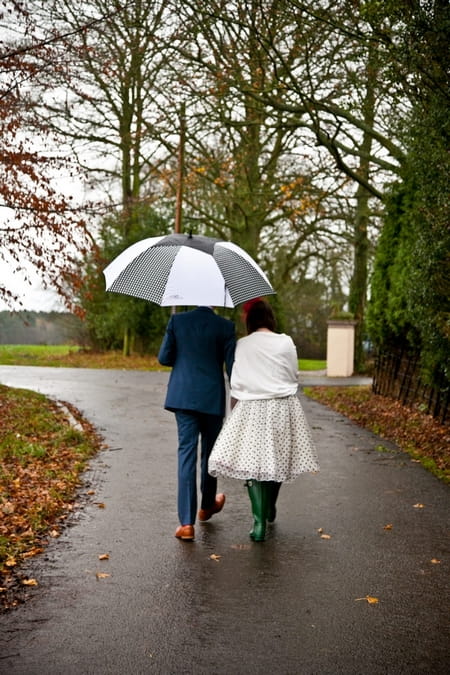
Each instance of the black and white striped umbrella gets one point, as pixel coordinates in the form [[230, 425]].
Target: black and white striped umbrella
[[181, 269]]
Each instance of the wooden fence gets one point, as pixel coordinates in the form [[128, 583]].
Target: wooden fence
[[398, 375]]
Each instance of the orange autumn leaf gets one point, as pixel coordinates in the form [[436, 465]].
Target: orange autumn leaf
[[29, 582], [8, 508], [215, 557], [34, 551], [102, 575], [104, 556], [369, 599]]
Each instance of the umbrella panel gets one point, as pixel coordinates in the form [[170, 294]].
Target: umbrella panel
[[117, 265], [195, 279], [146, 275], [244, 279]]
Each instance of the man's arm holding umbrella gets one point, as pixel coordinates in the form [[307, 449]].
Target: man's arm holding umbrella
[[230, 348], [167, 351]]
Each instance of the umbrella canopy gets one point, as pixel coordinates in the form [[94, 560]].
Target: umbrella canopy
[[181, 269]]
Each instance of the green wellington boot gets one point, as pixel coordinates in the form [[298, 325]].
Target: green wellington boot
[[258, 493], [273, 488]]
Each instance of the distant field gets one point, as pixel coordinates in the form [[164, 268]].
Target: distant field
[[33, 355], [71, 356]]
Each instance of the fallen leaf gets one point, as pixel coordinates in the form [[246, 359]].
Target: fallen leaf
[[325, 536], [435, 561], [369, 599], [29, 582], [90, 492], [100, 505], [418, 506], [215, 557], [102, 575], [104, 556], [11, 562], [33, 552], [54, 534], [8, 508], [320, 530], [2, 589], [388, 527]]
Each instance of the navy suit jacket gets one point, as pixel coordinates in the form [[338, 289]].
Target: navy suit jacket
[[197, 344]]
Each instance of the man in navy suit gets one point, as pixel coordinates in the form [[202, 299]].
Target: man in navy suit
[[197, 344]]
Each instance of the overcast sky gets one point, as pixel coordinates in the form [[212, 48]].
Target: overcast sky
[[33, 296]]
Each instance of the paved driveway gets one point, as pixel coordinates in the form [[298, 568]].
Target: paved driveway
[[290, 605]]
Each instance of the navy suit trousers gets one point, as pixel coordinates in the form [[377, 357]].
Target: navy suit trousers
[[193, 425]]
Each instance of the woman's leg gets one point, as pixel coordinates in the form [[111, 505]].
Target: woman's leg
[[258, 492], [273, 489]]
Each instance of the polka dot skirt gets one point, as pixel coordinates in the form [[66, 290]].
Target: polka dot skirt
[[265, 439]]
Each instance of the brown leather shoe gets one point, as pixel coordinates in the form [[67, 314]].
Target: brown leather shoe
[[205, 514], [185, 532]]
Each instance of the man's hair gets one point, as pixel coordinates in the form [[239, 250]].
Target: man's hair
[[260, 315]]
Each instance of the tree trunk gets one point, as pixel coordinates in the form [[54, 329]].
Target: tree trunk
[[126, 342], [358, 284]]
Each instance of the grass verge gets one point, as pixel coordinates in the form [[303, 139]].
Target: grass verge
[[416, 433], [70, 356], [42, 457], [311, 364]]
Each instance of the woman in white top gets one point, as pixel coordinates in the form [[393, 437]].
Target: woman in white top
[[266, 440]]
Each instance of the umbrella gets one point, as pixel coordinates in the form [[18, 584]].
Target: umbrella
[[181, 269]]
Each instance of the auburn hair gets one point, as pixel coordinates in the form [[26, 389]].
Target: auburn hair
[[260, 315]]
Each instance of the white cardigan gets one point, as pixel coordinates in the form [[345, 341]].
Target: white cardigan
[[265, 366]]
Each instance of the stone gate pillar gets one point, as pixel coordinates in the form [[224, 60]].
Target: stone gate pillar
[[340, 347]]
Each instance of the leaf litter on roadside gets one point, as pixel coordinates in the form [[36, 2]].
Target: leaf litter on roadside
[[423, 437], [41, 459]]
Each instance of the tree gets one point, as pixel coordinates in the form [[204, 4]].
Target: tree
[[291, 115], [40, 227], [375, 58], [285, 76], [109, 61], [410, 306], [116, 321], [250, 174]]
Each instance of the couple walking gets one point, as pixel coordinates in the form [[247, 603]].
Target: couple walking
[[265, 441]]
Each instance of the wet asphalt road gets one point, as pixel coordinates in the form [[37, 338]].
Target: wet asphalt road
[[289, 605]]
